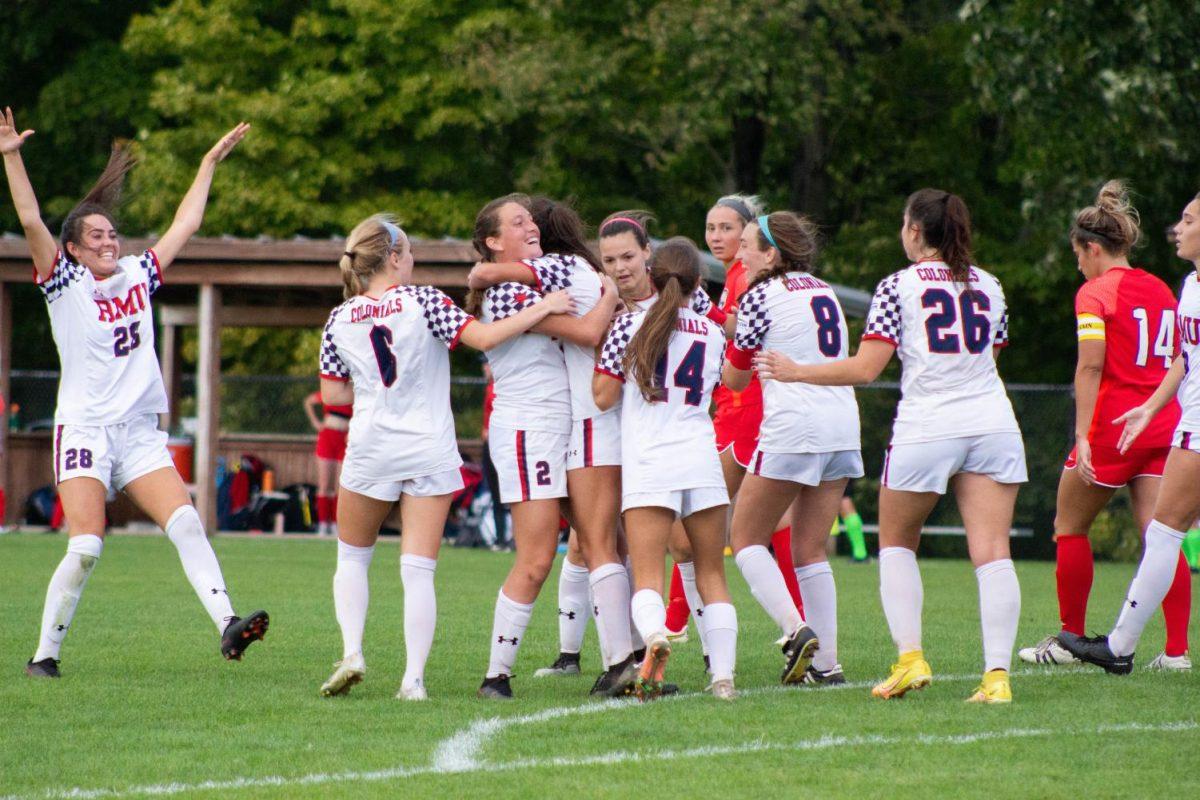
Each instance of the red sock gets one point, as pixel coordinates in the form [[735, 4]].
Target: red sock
[[677, 604], [1074, 578], [58, 515], [2, 507], [1177, 609], [781, 543], [325, 507]]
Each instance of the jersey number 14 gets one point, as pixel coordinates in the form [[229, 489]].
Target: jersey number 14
[[1164, 342]]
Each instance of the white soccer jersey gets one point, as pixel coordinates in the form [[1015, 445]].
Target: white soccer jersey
[[555, 272], [944, 333], [529, 371], [702, 304], [798, 315], [395, 352], [669, 445], [104, 331], [1188, 320]]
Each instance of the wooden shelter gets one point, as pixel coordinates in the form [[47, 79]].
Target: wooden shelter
[[230, 282]]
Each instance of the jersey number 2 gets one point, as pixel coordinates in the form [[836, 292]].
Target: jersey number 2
[[381, 343], [976, 327], [1164, 343], [689, 374]]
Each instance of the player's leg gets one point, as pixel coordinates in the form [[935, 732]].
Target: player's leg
[[337, 479], [326, 494], [814, 511], [362, 514], [647, 530], [854, 528], [681, 551], [987, 507], [1177, 605], [781, 548], [678, 608], [83, 501], [706, 532], [423, 520], [535, 531], [574, 610], [161, 494]]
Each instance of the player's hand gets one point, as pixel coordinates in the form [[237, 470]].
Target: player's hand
[[10, 139], [559, 302], [608, 287], [775, 366], [1135, 420], [1083, 460], [226, 144], [474, 280]]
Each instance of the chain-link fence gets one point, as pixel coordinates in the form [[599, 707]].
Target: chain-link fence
[[274, 404]]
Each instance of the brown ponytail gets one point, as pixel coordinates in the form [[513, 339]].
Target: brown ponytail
[[367, 249], [796, 240], [945, 225], [103, 198], [562, 231], [1112, 223], [675, 273], [487, 224]]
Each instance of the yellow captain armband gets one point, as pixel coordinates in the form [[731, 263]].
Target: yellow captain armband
[[1089, 328]]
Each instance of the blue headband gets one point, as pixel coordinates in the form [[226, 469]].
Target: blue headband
[[766, 231], [393, 230]]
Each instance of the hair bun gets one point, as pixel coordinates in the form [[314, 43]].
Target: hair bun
[[1114, 198]]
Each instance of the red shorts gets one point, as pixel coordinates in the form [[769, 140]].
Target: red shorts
[[331, 444], [1115, 470], [737, 427]]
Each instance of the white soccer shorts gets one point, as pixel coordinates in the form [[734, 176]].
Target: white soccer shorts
[[684, 502], [439, 483], [595, 442], [928, 466], [115, 455], [531, 465], [809, 469]]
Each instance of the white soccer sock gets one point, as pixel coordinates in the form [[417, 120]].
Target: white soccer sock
[[351, 594], [508, 630], [635, 637], [819, 593], [687, 573], [766, 584], [1150, 583], [62, 595], [999, 612], [649, 613], [720, 619], [420, 616], [574, 606], [186, 532], [610, 590], [903, 596]]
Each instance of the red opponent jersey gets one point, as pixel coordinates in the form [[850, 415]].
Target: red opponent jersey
[[724, 397], [1133, 313]]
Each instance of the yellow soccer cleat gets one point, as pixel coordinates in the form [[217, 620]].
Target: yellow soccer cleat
[[910, 674], [994, 689]]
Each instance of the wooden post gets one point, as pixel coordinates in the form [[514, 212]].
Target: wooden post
[[6, 330], [168, 353], [208, 404]]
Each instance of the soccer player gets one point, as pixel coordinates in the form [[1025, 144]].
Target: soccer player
[[739, 413], [808, 445], [672, 359], [111, 390], [530, 428], [331, 428], [944, 318], [1127, 336], [1178, 501], [385, 352]]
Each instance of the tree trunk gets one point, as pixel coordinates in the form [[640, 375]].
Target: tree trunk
[[749, 138], [810, 184]]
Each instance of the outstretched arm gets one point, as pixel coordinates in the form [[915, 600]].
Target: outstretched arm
[[588, 330], [191, 210], [41, 242], [862, 367], [486, 335]]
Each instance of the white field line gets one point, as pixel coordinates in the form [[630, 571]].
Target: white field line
[[461, 752]]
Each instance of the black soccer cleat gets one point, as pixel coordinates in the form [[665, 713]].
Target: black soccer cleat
[[565, 664], [496, 688], [241, 632], [617, 680], [831, 677], [640, 654], [1095, 650], [798, 651], [46, 668]]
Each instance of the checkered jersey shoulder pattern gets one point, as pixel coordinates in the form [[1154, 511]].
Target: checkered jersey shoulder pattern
[[884, 319], [612, 354], [445, 319], [66, 273], [331, 364], [505, 299], [754, 318]]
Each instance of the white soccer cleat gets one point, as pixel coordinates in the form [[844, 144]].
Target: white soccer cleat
[[350, 670], [723, 689], [1048, 651], [414, 692], [1176, 663]]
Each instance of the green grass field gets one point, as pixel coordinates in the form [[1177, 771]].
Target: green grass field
[[147, 707]]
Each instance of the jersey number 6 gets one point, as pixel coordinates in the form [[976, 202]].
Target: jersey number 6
[[381, 343], [976, 327]]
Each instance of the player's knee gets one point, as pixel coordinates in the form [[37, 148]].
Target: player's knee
[[184, 524], [87, 547]]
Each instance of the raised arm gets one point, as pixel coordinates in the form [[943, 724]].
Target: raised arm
[[861, 368], [191, 210], [486, 335], [41, 242]]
